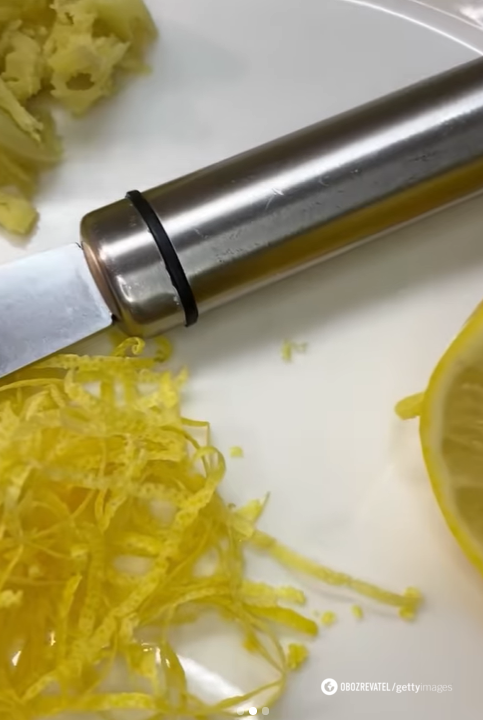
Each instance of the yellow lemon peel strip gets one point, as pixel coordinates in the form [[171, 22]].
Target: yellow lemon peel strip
[[108, 503], [410, 407], [294, 561]]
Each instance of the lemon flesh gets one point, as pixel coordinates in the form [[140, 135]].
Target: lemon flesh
[[451, 431]]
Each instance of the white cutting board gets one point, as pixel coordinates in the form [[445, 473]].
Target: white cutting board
[[347, 483]]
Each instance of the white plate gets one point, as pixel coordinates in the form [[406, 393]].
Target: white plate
[[470, 11], [348, 486]]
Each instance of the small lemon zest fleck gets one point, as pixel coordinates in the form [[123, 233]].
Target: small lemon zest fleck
[[289, 347], [409, 613], [236, 452], [357, 611], [328, 618], [297, 654]]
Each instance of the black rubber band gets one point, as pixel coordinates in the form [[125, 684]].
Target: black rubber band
[[169, 255]]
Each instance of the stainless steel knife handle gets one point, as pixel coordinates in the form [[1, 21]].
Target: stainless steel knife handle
[[263, 215]]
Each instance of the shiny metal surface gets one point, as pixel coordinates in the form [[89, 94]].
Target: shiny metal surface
[[270, 212], [49, 301], [129, 270], [254, 219]]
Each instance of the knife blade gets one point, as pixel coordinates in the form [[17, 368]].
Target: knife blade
[[162, 258], [48, 301]]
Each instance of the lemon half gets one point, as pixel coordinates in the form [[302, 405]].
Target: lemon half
[[451, 431]]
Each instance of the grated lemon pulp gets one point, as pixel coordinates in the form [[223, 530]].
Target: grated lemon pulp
[[71, 50]]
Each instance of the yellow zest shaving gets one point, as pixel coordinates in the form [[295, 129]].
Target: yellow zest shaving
[[410, 600], [296, 655], [409, 613], [108, 504], [328, 618], [357, 611], [289, 348], [236, 452], [410, 407]]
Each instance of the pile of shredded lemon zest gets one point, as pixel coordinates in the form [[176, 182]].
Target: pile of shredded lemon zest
[[410, 407], [357, 611], [73, 50], [297, 654], [109, 500], [289, 347], [236, 452], [328, 618]]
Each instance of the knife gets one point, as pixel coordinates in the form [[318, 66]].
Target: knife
[[164, 257]]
